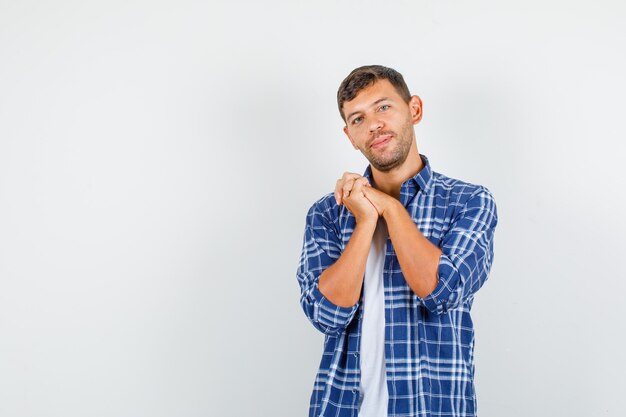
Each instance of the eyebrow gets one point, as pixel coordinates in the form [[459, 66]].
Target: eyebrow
[[372, 105]]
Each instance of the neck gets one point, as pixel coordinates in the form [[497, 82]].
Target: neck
[[390, 182]]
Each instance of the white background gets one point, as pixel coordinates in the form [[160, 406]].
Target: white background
[[157, 160]]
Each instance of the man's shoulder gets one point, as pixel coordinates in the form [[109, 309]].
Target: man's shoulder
[[458, 189], [326, 216], [325, 207]]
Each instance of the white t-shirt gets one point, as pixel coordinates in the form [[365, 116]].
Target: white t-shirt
[[375, 396]]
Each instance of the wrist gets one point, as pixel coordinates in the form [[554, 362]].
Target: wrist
[[367, 221], [391, 208]]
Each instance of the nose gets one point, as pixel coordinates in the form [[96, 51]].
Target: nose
[[376, 124]]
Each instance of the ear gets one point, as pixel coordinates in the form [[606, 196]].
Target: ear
[[415, 104], [345, 130]]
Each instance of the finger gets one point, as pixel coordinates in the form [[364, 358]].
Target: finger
[[338, 192], [362, 180], [343, 186], [361, 183], [347, 187], [357, 188], [370, 193], [347, 176]]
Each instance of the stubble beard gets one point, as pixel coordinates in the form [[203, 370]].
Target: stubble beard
[[397, 156]]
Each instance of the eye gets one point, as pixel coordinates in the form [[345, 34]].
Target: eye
[[384, 107], [357, 120]]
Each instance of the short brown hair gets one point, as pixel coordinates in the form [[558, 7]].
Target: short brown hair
[[365, 76]]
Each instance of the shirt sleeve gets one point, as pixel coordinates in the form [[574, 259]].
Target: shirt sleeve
[[320, 249], [467, 254]]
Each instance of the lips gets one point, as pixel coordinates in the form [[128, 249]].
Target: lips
[[381, 141]]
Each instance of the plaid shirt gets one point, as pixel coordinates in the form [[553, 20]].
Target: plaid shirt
[[429, 342]]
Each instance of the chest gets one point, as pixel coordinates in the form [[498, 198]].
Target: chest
[[432, 214]]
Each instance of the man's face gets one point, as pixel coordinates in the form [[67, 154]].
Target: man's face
[[380, 124]]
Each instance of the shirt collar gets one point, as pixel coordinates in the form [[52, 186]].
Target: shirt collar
[[414, 184]]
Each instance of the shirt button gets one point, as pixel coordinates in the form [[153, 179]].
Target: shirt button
[[356, 354]]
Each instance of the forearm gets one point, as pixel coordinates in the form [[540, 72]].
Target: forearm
[[418, 257], [341, 282]]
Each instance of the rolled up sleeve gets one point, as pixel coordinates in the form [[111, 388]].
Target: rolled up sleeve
[[321, 248], [467, 254]]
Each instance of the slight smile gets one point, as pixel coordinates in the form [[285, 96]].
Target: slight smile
[[381, 141]]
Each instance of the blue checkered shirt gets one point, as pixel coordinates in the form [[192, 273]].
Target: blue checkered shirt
[[429, 342]]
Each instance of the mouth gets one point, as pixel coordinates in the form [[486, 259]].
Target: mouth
[[381, 141]]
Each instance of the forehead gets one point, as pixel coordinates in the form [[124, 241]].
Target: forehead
[[370, 94]]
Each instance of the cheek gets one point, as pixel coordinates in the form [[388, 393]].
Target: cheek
[[356, 134]]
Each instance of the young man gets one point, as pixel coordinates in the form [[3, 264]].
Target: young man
[[390, 265]]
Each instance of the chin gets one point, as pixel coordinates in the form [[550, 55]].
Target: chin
[[387, 167]]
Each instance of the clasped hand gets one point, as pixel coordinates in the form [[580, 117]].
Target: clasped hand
[[364, 201]]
